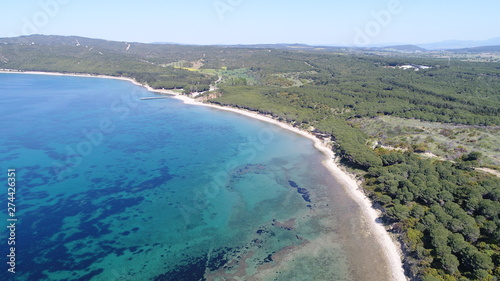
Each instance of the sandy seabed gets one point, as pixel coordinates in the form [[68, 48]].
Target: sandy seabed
[[388, 245]]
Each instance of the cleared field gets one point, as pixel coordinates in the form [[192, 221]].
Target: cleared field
[[444, 140]]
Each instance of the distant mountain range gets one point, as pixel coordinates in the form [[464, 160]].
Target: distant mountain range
[[490, 45], [419, 48], [460, 44], [455, 46]]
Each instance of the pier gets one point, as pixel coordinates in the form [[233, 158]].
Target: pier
[[155, 98]]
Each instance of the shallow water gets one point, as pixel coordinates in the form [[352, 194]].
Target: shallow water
[[111, 187]]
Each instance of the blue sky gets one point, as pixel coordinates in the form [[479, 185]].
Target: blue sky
[[256, 21]]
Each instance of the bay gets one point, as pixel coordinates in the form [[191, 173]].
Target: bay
[[112, 187]]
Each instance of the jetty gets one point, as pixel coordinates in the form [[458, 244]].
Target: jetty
[[155, 98]]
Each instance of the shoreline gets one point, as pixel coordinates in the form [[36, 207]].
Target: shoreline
[[390, 248]]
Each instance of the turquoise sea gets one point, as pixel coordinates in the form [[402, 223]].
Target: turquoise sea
[[111, 187]]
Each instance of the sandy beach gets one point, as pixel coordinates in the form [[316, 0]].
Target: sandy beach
[[391, 250]]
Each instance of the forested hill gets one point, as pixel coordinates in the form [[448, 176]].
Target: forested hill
[[445, 213]]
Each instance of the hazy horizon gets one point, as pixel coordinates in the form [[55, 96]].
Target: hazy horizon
[[274, 43]]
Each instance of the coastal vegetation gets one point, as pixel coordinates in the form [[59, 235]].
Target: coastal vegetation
[[448, 215], [381, 110], [442, 140]]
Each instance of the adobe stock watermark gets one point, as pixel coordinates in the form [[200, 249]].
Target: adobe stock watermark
[[380, 20], [47, 10], [222, 7], [90, 139], [248, 152]]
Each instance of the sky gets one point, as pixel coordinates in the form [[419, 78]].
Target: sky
[[206, 22]]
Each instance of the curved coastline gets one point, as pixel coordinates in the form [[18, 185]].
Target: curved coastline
[[392, 253]]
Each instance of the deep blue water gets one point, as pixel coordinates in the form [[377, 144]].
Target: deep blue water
[[111, 187]]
